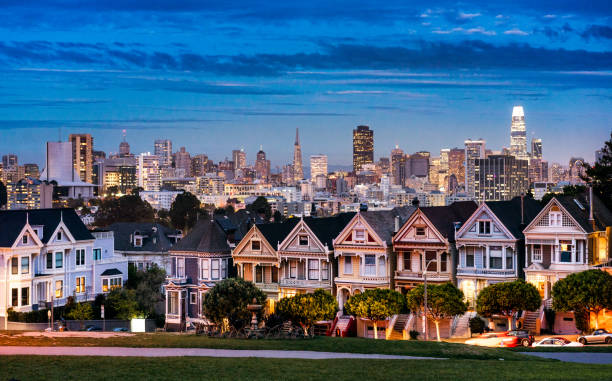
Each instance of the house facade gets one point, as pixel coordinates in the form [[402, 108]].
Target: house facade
[[364, 251], [47, 255], [426, 243], [491, 244]]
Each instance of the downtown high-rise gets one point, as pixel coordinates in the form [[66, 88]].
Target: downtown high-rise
[[318, 166], [163, 150], [82, 156], [474, 150], [363, 147], [518, 134], [298, 170], [500, 178]]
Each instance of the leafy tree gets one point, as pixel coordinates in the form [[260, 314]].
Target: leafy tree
[[147, 287], [185, 211], [590, 291], [3, 195], [229, 298], [261, 207], [278, 217], [443, 301], [376, 304], [477, 325], [128, 208], [81, 311], [599, 175], [306, 309], [112, 190], [507, 299], [121, 304]]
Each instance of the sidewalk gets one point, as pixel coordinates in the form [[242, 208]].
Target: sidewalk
[[197, 352]]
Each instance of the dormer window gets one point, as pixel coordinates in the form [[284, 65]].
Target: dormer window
[[484, 227], [303, 240], [255, 245], [138, 241], [24, 239], [555, 218], [420, 231]]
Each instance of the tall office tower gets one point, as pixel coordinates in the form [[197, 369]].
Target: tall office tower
[[417, 164], [163, 150], [538, 170], [576, 170], [82, 155], [199, 165], [398, 166], [474, 149], [9, 162], [363, 147], [148, 171], [318, 166], [536, 148], [518, 135], [31, 170], [434, 172], [298, 170], [239, 158], [182, 160], [456, 165], [262, 165], [500, 178], [124, 146], [444, 159], [383, 167]]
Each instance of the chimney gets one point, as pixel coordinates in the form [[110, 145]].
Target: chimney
[[591, 218], [522, 209], [397, 224]]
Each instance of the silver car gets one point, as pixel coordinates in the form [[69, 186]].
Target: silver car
[[599, 336]]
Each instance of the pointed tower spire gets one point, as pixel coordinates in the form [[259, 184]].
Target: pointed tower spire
[[297, 137]]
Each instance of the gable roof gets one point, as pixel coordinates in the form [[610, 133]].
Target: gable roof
[[328, 228], [13, 221], [601, 214], [206, 237], [276, 233], [123, 232], [509, 213], [383, 221], [444, 217]]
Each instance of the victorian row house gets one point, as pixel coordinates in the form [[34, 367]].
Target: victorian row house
[[48, 255]]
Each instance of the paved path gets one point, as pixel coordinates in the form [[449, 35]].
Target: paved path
[[199, 352], [583, 357]]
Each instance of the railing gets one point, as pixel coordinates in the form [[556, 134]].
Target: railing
[[476, 271], [419, 275], [291, 282], [176, 279], [374, 279], [270, 287]]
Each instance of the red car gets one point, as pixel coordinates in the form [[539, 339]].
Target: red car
[[517, 338]]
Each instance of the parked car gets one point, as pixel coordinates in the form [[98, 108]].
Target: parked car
[[517, 338], [599, 336], [120, 329], [490, 339], [91, 328], [557, 342]]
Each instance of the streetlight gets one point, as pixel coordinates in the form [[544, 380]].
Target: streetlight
[[425, 297]]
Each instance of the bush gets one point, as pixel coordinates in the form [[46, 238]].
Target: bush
[[39, 316], [477, 325], [229, 298], [307, 309], [414, 335]]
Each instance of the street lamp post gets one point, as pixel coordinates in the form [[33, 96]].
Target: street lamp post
[[425, 298]]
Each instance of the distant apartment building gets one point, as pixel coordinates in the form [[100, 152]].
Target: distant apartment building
[[163, 150], [538, 170], [239, 158], [158, 200], [298, 169], [500, 178], [576, 170], [474, 150], [318, 166], [29, 193], [182, 160], [117, 173], [31, 170], [456, 165], [363, 147], [398, 166], [149, 174], [82, 156]]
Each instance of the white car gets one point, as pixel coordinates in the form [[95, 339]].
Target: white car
[[556, 342]]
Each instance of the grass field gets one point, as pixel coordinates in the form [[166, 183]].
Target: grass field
[[319, 343], [205, 368]]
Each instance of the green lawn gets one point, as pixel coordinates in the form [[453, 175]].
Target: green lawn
[[201, 368], [320, 343]]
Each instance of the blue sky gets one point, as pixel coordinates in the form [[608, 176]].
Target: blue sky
[[214, 76]]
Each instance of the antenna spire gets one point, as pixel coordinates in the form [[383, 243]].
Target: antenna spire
[[297, 137]]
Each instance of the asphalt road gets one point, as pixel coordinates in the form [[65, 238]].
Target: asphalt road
[[585, 357]]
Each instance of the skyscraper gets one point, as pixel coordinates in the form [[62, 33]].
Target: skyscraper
[[9, 162], [262, 165], [456, 165], [398, 166], [518, 135], [239, 158], [363, 147], [298, 171], [474, 149], [500, 178], [163, 150], [82, 155], [536, 148], [124, 146], [148, 172], [183, 161], [318, 166]]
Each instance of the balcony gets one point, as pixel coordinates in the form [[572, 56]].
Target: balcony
[[364, 279], [418, 275], [304, 283], [487, 272], [176, 279], [267, 287]]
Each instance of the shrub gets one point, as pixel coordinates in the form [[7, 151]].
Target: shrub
[[376, 305], [229, 298], [477, 325], [414, 335], [306, 309]]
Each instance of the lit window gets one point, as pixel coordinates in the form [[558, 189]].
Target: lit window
[[59, 289], [80, 284], [104, 285]]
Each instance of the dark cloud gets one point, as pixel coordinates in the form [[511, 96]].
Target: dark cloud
[[598, 31], [141, 123]]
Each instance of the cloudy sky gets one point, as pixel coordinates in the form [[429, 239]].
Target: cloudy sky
[[218, 75]]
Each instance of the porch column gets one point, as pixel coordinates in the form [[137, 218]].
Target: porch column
[[320, 269], [556, 250], [486, 257], [400, 261], [503, 257], [253, 265], [377, 264], [573, 250]]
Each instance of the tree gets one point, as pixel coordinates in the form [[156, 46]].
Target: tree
[[443, 301], [147, 287], [590, 291], [81, 311], [228, 299], [278, 216], [306, 309], [376, 304], [507, 299], [185, 211], [122, 304], [128, 208], [599, 175], [3, 195], [261, 207]]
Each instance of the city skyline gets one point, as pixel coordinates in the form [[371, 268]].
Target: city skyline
[[446, 69]]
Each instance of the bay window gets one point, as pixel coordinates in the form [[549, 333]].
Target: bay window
[[204, 269], [348, 265], [313, 269], [495, 257], [369, 267], [214, 269], [325, 270]]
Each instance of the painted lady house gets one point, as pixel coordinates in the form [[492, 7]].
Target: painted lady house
[[570, 234], [491, 244], [306, 254]]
